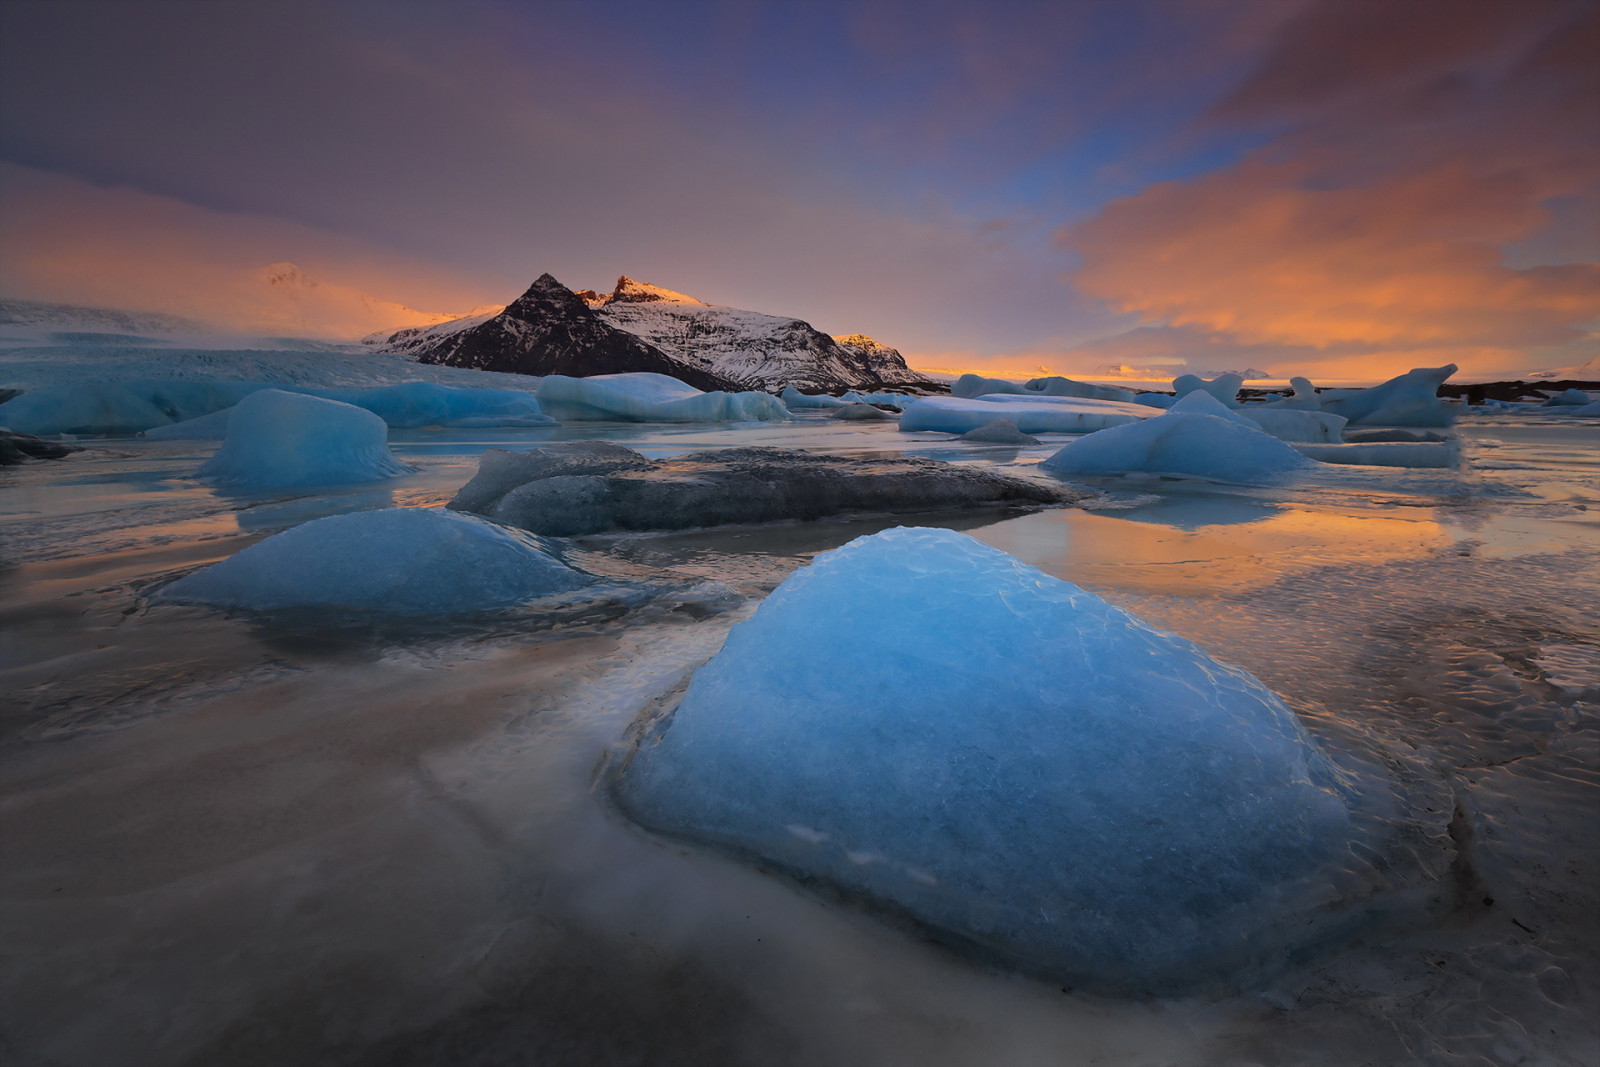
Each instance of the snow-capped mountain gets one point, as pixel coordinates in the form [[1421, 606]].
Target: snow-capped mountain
[[747, 349], [547, 330], [759, 351]]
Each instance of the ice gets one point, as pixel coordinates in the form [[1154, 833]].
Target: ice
[[1226, 449], [1570, 398], [406, 561], [795, 400], [974, 385], [1303, 397], [1056, 385], [21, 447], [1436, 454], [1588, 411], [564, 491], [999, 432], [1156, 400], [131, 407], [1409, 399], [1036, 414], [1225, 387], [862, 413], [1294, 424], [279, 440], [893, 400], [1035, 772], [93, 408], [646, 397]]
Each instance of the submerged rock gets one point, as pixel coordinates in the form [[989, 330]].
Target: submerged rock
[[407, 561], [1035, 773], [567, 491], [20, 447]]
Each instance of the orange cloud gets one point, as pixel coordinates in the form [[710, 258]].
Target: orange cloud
[[1374, 227]]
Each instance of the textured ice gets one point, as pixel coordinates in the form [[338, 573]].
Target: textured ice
[[795, 400], [93, 408], [280, 440], [1034, 772], [645, 397], [1056, 385], [1303, 396], [407, 561], [153, 406], [1225, 387], [1570, 398], [999, 432], [972, 385], [1030, 414], [1156, 400], [564, 491], [1183, 442], [894, 400], [1409, 399]]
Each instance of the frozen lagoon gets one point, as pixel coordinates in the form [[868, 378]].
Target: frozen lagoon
[[288, 839]]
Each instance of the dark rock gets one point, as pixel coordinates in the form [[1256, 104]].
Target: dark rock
[[573, 491], [20, 447], [551, 330]]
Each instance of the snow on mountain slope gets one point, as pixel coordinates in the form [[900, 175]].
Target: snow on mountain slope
[[757, 350], [754, 350]]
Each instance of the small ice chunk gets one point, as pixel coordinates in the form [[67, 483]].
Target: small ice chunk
[[861, 413], [999, 432], [1055, 385], [1409, 399], [1225, 387], [1569, 398], [1225, 449], [1039, 773], [407, 561], [279, 440], [973, 385], [795, 400]]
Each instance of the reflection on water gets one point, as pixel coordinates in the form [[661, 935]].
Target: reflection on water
[[235, 839]]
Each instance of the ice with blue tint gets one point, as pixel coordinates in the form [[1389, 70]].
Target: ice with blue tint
[[894, 400], [795, 400], [413, 404], [1055, 385], [1303, 397], [1286, 424], [1409, 399], [1030, 414], [646, 397], [1225, 387], [406, 561], [1570, 398], [1156, 400], [405, 406], [118, 407], [1222, 447], [973, 385], [1587, 411], [279, 440], [1030, 771]]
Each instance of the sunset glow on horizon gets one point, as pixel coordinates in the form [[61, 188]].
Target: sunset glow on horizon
[[1339, 188]]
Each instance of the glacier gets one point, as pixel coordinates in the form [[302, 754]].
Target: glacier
[[647, 397], [172, 409], [405, 561], [1030, 772], [1030, 414], [279, 440]]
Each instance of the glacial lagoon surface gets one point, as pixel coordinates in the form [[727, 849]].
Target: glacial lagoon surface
[[361, 839]]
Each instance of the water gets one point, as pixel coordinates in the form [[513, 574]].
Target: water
[[237, 840]]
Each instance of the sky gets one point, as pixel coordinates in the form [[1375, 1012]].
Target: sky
[[1342, 188]]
